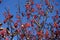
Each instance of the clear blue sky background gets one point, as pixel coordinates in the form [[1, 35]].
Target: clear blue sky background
[[12, 4]]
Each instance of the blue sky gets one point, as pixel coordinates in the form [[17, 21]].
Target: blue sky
[[12, 5]]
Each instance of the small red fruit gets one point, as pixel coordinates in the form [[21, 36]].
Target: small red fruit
[[27, 25], [55, 24], [38, 6], [15, 25], [6, 38]]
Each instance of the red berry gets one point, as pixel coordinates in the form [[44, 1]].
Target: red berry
[[47, 2], [27, 24], [5, 20], [35, 16], [6, 38], [15, 25], [55, 24], [32, 10], [41, 12], [17, 16], [46, 34], [56, 16], [32, 21], [28, 6], [38, 6], [22, 36], [40, 33]]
